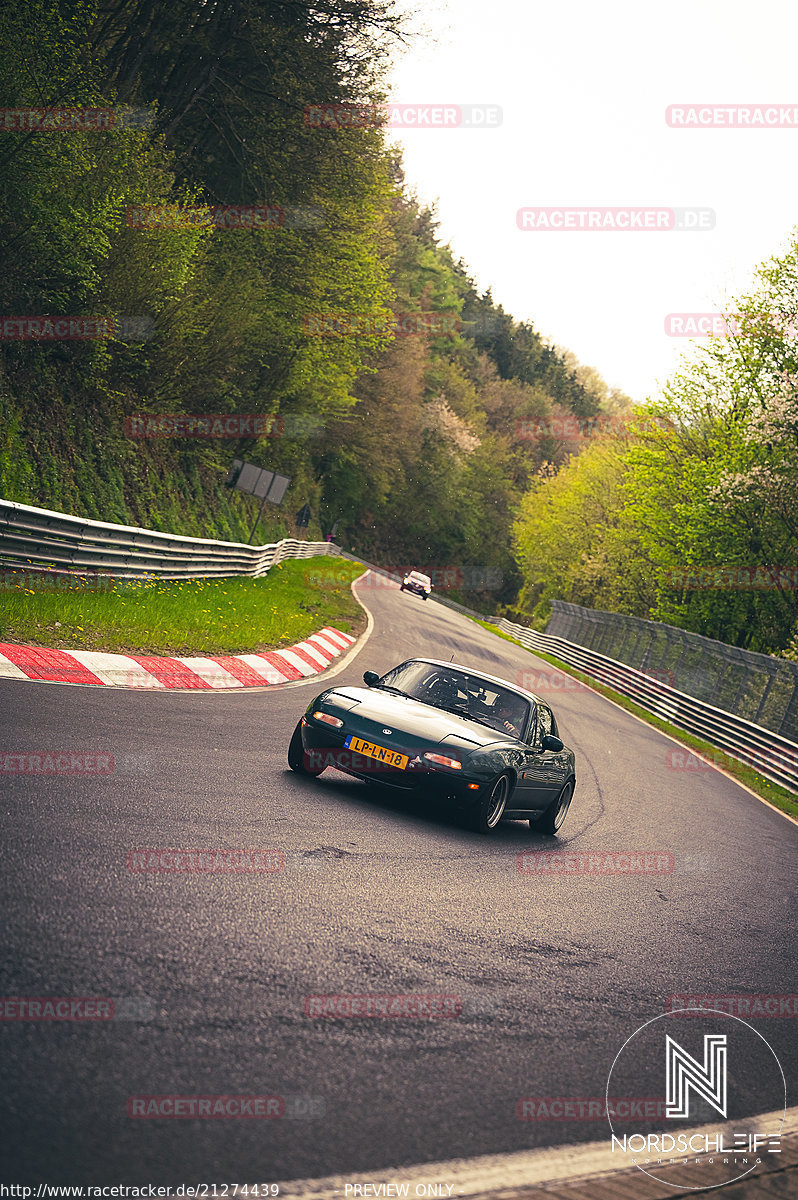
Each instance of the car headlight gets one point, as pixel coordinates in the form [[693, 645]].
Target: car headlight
[[443, 761], [328, 719]]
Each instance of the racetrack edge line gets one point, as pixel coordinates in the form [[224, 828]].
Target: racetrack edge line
[[340, 662], [343, 659]]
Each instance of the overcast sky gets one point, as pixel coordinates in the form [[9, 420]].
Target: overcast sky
[[584, 87]]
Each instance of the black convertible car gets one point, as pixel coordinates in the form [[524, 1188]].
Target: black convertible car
[[490, 748]]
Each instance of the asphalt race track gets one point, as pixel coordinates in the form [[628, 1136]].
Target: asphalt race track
[[378, 895]]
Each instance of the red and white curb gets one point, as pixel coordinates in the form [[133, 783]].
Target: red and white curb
[[92, 668]]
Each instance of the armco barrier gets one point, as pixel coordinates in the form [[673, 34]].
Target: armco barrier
[[50, 541], [771, 755], [758, 687], [38, 538]]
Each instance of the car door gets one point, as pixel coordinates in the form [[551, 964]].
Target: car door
[[544, 770]]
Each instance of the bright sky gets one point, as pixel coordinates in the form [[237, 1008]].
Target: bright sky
[[584, 87]]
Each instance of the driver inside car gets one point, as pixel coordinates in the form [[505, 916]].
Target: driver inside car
[[505, 715]]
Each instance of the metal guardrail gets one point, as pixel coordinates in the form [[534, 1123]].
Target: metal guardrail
[[759, 688], [773, 756], [49, 541], [38, 539]]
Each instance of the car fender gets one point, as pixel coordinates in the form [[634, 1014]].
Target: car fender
[[317, 700], [492, 762]]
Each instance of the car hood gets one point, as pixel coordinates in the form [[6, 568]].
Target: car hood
[[413, 717]]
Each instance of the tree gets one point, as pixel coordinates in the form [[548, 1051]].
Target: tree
[[575, 540]]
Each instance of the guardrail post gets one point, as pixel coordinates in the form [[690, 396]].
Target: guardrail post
[[764, 696], [790, 718]]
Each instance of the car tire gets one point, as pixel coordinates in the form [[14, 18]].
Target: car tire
[[425, 596], [487, 812], [296, 756], [556, 813]]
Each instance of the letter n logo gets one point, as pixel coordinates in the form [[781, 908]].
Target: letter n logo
[[683, 1072]]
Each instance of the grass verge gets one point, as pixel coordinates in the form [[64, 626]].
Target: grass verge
[[185, 617], [776, 795]]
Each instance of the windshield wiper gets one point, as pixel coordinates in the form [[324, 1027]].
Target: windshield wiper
[[388, 687], [458, 712], [484, 721]]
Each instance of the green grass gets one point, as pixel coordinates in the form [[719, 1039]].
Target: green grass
[[778, 796], [203, 616]]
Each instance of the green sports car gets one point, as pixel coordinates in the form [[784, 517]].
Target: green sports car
[[490, 748]]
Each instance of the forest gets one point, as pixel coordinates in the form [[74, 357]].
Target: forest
[[212, 250], [392, 391], [689, 514]]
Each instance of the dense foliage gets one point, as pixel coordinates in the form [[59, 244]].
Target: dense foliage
[[691, 514]]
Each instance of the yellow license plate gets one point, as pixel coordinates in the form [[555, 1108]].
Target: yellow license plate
[[391, 758]]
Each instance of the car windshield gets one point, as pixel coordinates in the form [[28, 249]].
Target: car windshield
[[417, 577], [458, 692]]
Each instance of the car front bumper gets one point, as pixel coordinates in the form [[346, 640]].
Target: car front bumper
[[325, 747]]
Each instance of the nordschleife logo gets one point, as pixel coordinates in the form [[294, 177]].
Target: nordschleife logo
[[722, 1091], [683, 1074]]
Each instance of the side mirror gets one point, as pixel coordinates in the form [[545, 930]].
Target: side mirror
[[550, 742], [370, 678]]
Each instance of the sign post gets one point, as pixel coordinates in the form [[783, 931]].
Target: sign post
[[259, 482], [303, 517]]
